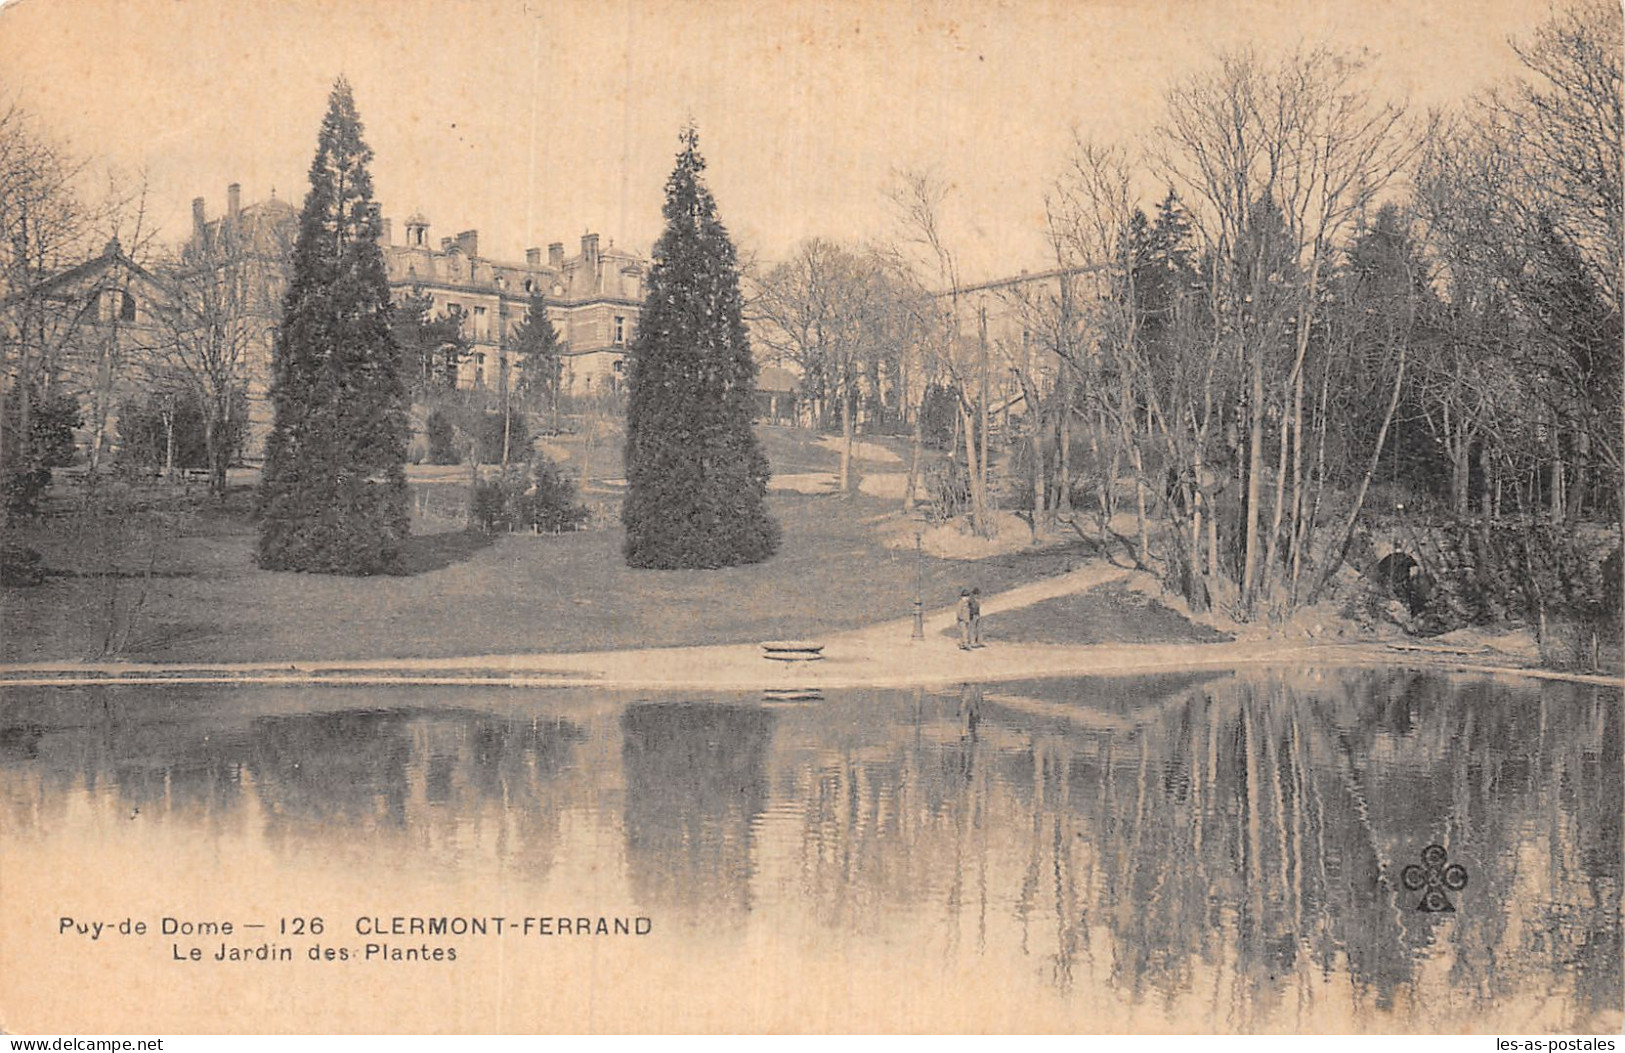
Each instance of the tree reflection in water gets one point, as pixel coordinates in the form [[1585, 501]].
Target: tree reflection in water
[[1223, 852], [374, 787], [1246, 835], [695, 783]]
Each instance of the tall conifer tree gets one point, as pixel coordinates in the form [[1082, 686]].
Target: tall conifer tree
[[333, 497], [696, 477], [536, 344]]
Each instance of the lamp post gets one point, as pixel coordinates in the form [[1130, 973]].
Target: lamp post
[[919, 584]]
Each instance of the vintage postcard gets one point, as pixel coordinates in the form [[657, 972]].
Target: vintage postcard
[[547, 516]]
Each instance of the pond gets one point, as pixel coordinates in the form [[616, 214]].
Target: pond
[[1190, 853]]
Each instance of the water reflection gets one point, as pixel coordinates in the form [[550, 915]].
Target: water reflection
[[695, 782], [1215, 854]]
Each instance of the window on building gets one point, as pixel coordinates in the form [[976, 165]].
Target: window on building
[[619, 366], [620, 330], [126, 307], [481, 330]]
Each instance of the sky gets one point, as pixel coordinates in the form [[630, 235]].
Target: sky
[[536, 121]]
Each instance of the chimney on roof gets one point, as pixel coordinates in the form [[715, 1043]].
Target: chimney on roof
[[555, 255], [234, 199], [589, 250], [417, 231], [469, 242], [445, 244], [533, 258], [199, 220]]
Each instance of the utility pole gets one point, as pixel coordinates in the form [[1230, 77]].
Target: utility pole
[[919, 583]]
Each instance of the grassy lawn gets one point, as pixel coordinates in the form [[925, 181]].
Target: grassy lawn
[[1109, 614], [189, 591]]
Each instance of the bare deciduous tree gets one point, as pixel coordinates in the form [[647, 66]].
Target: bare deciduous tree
[[918, 198], [1303, 140], [216, 324], [44, 225]]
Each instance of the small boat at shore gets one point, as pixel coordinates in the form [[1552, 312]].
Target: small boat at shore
[[792, 651]]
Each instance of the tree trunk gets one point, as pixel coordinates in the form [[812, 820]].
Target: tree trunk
[[211, 450], [987, 527], [1460, 459], [846, 440], [1198, 512], [1340, 550], [1267, 574], [1108, 482], [1139, 505], [473, 482], [916, 455], [507, 430], [98, 430], [1294, 537], [1305, 532], [106, 373], [1039, 471], [977, 506], [1306, 317], [1063, 481], [1255, 469], [1556, 494], [169, 443], [1213, 542]]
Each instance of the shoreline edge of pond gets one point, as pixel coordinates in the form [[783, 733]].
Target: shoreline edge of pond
[[737, 668]]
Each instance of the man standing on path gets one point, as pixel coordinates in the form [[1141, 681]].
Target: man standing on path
[[963, 616], [976, 618]]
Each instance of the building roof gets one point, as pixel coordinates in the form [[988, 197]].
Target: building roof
[[271, 204], [77, 276]]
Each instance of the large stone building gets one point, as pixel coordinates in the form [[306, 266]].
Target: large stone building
[[593, 297], [249, 249], [593, 300]]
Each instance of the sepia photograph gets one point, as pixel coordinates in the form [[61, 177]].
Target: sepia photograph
[[828, 516]]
